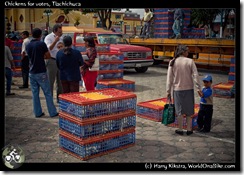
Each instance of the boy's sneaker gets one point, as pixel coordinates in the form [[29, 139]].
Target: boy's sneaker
[[200, 129]]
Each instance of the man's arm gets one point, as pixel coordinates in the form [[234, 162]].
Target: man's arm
[[47, 55]]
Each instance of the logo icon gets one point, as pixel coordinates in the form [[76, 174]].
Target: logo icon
[[13, 156]]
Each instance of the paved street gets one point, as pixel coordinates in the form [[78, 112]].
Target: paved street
[[38, 137]]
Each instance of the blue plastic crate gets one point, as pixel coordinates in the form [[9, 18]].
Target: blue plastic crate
[[231, 77], [84, 151], [232, 68], [221, 92], [149, 113], [110, 57], [110, 75], [232, 61], [97, 128], [97, 109], [111, 66]]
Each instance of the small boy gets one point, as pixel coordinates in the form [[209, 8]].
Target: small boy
[[60, 45], [206, 105]]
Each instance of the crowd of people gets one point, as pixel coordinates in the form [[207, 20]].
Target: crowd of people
[[49, 59]]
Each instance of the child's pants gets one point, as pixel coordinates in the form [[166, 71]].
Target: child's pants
[[205, 117]]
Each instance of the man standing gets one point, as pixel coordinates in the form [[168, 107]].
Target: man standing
[[25, 60], [178, 22], [148, 16], [8, 71], [37, 51], [51, 41]]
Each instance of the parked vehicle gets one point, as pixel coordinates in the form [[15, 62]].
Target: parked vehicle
[[137, 57]]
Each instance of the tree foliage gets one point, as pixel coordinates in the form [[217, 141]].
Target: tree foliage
[[103, 14], [207, 16]]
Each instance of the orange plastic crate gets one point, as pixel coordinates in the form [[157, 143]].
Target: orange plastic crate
[[223, 89]]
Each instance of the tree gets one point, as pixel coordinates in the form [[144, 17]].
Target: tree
[[207, 16], [104, 15], [66, 12]]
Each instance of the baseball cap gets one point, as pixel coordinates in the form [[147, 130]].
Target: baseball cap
[[207, 78]]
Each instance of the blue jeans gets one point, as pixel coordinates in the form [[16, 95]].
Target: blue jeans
[[178, 26], [146, 29], [8, 75], [37, 81]]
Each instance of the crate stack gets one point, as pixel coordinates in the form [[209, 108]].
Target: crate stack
[[153, 110], [223, 89], [111, 72], [16, 53], [164, 20], [98, 122]]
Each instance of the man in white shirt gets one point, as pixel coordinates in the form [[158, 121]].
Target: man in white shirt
[[51, 41], [25, 60], [148, 16]]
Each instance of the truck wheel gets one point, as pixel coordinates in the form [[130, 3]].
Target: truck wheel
[[141, 69]]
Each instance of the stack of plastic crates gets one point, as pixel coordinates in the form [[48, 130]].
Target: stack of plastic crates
[[111, 72], [194, 119], [16, 53], [163, 22], [97, 122], [224, 89]]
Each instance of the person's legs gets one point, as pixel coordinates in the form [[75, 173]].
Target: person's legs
[[51, 72], [25, 72], [65, 86], [59, 89], [200, 118], [44, 83], [176, 27], [35, 88], [74, 86], [208, 118], [8, 75], [189, 123], [148, 30]]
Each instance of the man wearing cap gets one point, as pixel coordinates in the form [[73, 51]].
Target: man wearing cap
[[52, 41], [206, 105]]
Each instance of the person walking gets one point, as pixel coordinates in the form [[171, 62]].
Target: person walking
[[9, 64], [147, 19], [25, 60], [181, 75], [69, 62], [89, 77], [51, 41], [205, 112], [178, 24], [37, 51]]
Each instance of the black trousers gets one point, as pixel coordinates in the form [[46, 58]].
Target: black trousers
[[25, 71], [205, 117]]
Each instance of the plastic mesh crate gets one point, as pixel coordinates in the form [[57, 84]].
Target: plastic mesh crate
[[152, 110], [97, 103], [97, 126], [121, 84], [111, 65], [222, 89], [194, 119], [110, 56], [110, 74], [97, 146]]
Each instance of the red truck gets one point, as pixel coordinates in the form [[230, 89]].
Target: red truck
[[137, 57]]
